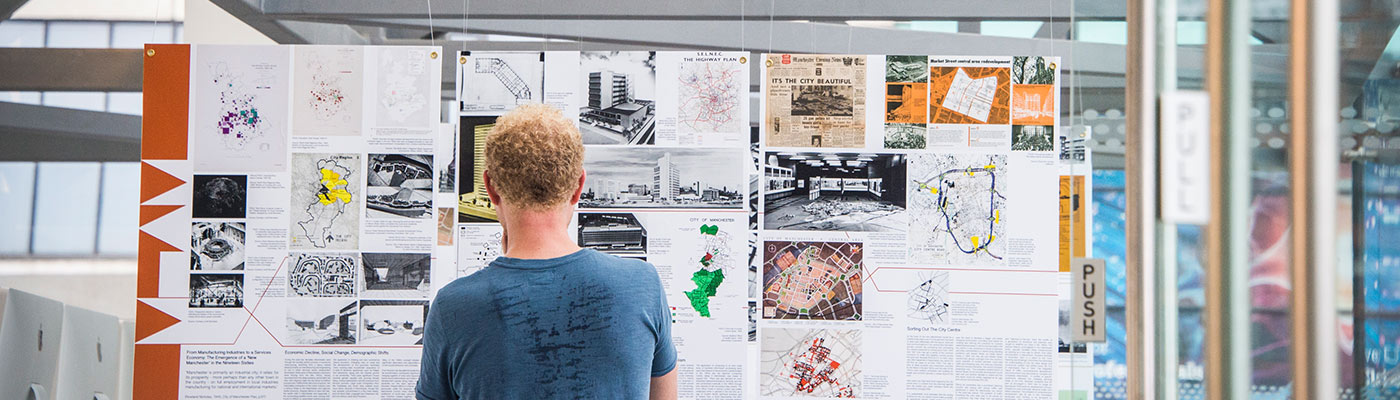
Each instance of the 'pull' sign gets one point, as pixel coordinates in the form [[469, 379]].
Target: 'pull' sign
[[1087, 313]]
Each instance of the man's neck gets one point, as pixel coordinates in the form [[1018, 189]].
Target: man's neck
[[537, 235]]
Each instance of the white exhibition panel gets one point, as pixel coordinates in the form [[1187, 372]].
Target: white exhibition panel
[[897, 218]]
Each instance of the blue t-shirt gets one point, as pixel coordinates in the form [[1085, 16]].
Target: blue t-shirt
[[585, 325]]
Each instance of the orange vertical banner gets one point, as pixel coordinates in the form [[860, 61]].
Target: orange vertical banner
[[157, 373], [165, 88]]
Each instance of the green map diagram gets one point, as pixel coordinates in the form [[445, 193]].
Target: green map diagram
[[714, 259]]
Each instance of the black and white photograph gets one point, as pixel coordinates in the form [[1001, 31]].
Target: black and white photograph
[[1066, 343], [220, 196], [496, 82], [656, 177], [446, 163], [218, 246], [753, 321], [906, 68], [621, 103], [392, 322], [400, 186], [620, 234], [860, 192], [1032, 70], [322, 321], [395, 275], [473, 205], [823, 101], [1072, 146], [1032, 138], [216, 290], [905, 136], [322, 274]]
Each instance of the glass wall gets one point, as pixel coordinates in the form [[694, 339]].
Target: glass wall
[[69, 209]]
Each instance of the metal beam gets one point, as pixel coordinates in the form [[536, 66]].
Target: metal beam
[[81, 70], [814, 10], [290, 32], [8, 7], [1055, 30], [787, 37], [39, 133]]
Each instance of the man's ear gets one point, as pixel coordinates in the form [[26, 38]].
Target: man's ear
[[491, 189], [578, 191]]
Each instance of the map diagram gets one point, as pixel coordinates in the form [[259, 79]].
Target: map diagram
[[403, 77], [812, 280], [969, 95], [478, 245], [326, 191], [327, 99], [239, 109], [328, 91], [715, 260], [810, 363], [323, 274], [929, 300], [956, 207], [710, 97], [239, 120]]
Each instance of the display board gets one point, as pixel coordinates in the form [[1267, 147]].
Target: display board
[[883, 227], [288, 220], [919, 259]]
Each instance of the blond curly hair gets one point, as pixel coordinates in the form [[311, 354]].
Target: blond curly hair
[[534, 156]]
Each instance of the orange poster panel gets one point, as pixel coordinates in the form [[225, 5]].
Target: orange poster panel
[[1033, 105], [1071, 219], [166, 84], [969, 95], [906, 102]]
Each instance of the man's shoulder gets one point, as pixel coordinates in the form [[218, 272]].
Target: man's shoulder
[[629, 268], [464, 290]]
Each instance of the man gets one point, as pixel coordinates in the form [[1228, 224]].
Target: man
[[548, 319]]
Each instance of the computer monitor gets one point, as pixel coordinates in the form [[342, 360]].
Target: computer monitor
[[89, 367], [30, 337], [128, 359]]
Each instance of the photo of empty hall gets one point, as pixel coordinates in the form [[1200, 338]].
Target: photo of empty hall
[[621, 107], [834, 192], [395, 275], [654, 177], [322, 321]]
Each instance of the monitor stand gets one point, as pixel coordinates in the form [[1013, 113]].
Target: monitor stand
[[37, 392]]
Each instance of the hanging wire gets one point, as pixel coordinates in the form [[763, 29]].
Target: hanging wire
[[850, 36], [431, 31], [742, 26], [771, 10], [154, 19]]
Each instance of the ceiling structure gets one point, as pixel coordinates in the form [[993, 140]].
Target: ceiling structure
[[1092, 68]]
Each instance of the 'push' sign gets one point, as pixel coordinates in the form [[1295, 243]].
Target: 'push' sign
[[1087, 313]]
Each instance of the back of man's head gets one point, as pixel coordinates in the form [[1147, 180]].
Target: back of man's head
[[534, 157]]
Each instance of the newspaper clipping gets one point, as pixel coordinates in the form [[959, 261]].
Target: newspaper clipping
[[815, 100]]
